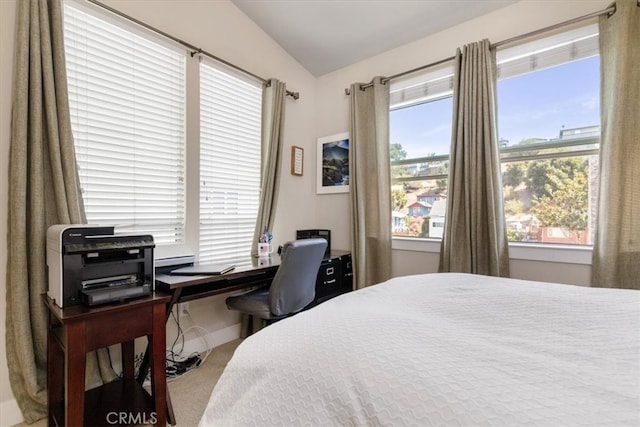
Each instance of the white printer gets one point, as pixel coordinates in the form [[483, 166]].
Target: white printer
[[92, 265]]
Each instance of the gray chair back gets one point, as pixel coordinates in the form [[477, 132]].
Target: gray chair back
[[294, 285]]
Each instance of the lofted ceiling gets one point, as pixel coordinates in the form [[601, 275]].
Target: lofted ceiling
[[326, 35]]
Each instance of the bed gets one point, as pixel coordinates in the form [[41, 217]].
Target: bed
[[442, 349]]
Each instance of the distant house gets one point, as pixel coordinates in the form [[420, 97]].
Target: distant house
[[562, 235], [418, 209], [431, 196], [582, 132], [398, 224], [436, 222]]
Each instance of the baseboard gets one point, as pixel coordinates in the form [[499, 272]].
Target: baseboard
[[10, 413], [195, 344]]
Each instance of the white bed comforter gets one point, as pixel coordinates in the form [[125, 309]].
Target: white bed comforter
[[442, 349]]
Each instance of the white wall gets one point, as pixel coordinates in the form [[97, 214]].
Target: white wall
[[8, 406], [220, 28], [332, 114]]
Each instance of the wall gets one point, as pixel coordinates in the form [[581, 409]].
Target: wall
[[8, 406], [221, 29], [332, 115]]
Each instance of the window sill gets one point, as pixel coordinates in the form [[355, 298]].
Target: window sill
[[521, 251]]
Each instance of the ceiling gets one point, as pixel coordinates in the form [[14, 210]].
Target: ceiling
[[326, 35]]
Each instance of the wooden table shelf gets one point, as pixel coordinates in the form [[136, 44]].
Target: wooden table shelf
[[77, 330]]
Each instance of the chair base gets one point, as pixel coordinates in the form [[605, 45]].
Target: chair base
[[250, 327]]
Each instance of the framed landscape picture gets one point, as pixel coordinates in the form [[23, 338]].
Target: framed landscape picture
[[333, 164]]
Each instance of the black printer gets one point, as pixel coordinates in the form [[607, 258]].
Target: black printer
[[92, 265]]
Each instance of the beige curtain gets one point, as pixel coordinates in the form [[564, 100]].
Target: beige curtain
[[616, 251], [273, 112], [273, 97], [475, 239], [43, 190], [370, 183]]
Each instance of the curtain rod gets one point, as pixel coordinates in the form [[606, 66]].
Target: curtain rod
[[608, 11], [194, 50]]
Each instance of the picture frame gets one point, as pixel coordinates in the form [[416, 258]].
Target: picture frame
[[297, 160], [332, 171]]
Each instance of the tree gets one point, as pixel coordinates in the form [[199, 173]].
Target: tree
[[398, 199], [514, 174], [396, 152], [565, 206], [543, 175]]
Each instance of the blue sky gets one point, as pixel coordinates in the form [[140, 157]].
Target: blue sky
[[534, 105]]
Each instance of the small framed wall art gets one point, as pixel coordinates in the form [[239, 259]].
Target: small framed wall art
[[297, 160], [333, 164]]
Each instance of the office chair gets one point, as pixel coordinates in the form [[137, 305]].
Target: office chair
[[293, 286]]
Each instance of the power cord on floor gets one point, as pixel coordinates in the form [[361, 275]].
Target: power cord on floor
[[177, 368], [177, 365]]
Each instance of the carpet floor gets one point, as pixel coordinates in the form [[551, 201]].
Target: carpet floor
[[190, 392]]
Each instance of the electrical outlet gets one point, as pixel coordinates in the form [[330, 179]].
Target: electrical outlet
[[184, 308]]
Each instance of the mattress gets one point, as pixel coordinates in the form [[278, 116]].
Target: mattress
[[442, 350]]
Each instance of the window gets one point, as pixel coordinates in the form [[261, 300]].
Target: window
[[548, 126], [230, 123], [127, 97], [420, 139]]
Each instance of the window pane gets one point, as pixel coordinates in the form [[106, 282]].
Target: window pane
[[550, 119], [126, 96], [419, 208], [539, 106], [420, 140], [230, 132], [422, 130]]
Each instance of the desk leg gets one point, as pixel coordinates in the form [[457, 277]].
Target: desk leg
[[75, 362], [157, 342], [128, 363], [144, 365], [55, 378]]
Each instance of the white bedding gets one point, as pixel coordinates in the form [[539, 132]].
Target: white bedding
[[442, 349]]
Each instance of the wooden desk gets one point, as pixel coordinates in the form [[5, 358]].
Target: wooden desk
[[250, 272], [74, 331]]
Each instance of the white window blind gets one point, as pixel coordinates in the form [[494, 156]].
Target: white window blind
[[437, 82], [127, 100], [430, 85], [230, 129], [549, 51]]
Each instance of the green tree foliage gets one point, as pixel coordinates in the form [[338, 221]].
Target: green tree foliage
[[565, 202], [543, 176], [398, 199], [514, 207], [396, 152], [514, 174], [425, 226]]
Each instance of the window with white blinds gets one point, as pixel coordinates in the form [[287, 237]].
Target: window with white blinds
[[127, 101], [230, 129]]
